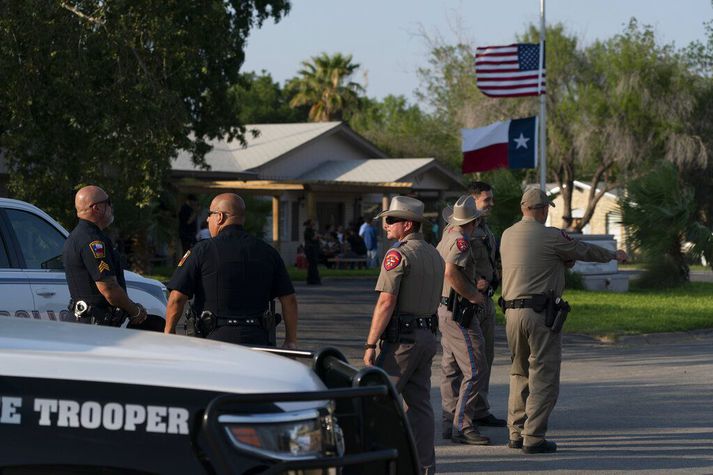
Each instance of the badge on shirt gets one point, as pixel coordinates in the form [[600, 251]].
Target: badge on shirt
[[565, 235], [462, 244], [103, 266], [183, 259], [97, 248], [391, 260]]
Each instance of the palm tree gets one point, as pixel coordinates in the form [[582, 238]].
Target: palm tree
[[660, 214], [323, 84]]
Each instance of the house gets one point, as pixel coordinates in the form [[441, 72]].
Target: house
[[605, 220], [323, 171]]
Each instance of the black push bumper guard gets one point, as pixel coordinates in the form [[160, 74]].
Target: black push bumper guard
[[377, 436]]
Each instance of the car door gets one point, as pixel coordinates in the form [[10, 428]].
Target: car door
[[40, 247], [15, 293]]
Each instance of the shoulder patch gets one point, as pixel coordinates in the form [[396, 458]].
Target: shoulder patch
[[565, 235], [392, 259], [103, 266], [462, 244], [97, 248], [183, 259]]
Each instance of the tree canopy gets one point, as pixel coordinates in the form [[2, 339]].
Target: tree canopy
[[108, 92]]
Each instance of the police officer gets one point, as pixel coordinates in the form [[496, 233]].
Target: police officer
[[409, 284], [464, 365], [487, 264], [233, 276], [94, 274], [534, 258]]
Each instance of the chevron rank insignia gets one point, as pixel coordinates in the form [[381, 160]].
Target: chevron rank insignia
[[103, 266], [183, 259], [97, 248]]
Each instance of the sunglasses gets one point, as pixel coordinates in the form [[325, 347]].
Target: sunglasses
[[393, 220], [106, 201]]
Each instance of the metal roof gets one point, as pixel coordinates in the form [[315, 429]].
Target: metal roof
[[367, 171], [273, 141]]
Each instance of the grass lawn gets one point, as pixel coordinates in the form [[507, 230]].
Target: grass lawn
[[639, 311], [593, 313]]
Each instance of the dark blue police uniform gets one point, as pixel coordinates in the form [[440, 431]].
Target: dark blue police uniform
[[88, 257], [234, 276]]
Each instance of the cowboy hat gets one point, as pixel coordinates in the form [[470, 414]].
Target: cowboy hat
[[406, 208], [463, 212]]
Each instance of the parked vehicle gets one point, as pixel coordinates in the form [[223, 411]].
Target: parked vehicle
[[91, 399], [32, 280]]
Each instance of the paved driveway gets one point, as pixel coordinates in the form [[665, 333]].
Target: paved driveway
[[644, 404]]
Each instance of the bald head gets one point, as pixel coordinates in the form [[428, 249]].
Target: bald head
[[226, 209], [92, 204]]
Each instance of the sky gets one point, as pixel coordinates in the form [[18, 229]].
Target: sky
[[386, 36]]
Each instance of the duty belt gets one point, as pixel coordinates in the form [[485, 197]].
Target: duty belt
[[239, 321], [408, 323], [519, 303]]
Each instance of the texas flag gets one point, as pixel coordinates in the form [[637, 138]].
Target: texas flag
[[507, 144]]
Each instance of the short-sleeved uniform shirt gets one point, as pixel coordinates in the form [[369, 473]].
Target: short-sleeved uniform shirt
[[534, 257], [413, 270], [88, 257], [233, 274], [456, 249]]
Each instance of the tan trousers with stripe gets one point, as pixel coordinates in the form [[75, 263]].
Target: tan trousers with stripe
[[536, 354]]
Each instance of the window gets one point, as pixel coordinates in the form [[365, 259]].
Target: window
[[40, 242], [4, 261]]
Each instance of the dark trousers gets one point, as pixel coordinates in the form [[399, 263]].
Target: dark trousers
[[152, 323], [312, 254], [248, 335]]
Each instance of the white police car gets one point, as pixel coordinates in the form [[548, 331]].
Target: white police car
[[32, 280], [90, 399]]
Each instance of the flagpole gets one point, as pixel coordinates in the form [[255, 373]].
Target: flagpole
[[543, 108]]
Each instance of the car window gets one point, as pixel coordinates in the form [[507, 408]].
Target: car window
[[39, 241], [4, 261]]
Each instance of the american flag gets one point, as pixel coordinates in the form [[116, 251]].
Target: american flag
[[509, 71]]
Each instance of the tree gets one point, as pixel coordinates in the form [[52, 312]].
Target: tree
[[324, 85], [660, 214], [400, 129], [108, 92], [261, 100]]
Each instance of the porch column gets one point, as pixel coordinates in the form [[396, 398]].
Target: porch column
[[276, 222], [311, 201], [385, 200]]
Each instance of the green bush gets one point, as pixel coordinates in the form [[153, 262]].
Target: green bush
[[573, 280]]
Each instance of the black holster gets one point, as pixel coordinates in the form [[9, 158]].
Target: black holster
[[465, 312], [193, 326], [207, 322], [557, 310]]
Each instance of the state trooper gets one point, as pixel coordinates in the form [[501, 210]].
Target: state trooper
[[463, 365], [487, 264], [93, 268], [234, 276], [534, 258], [404, 318]]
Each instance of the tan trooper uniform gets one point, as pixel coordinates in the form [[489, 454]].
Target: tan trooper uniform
[[533, 260], [464, 364], [413, 270], [486, 262]]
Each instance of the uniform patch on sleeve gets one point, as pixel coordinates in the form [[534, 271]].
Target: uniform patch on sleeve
[[565, 235], [97, 248], [183, 259], [392, 259], [462, 244], [103, 266]]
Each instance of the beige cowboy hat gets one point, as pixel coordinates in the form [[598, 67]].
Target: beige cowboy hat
[[463, 212], [404, 207]]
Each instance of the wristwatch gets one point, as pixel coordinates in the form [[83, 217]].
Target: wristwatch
[[368, 346]]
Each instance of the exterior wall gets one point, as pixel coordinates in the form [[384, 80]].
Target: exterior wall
[[608, 206], [330, 148]]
